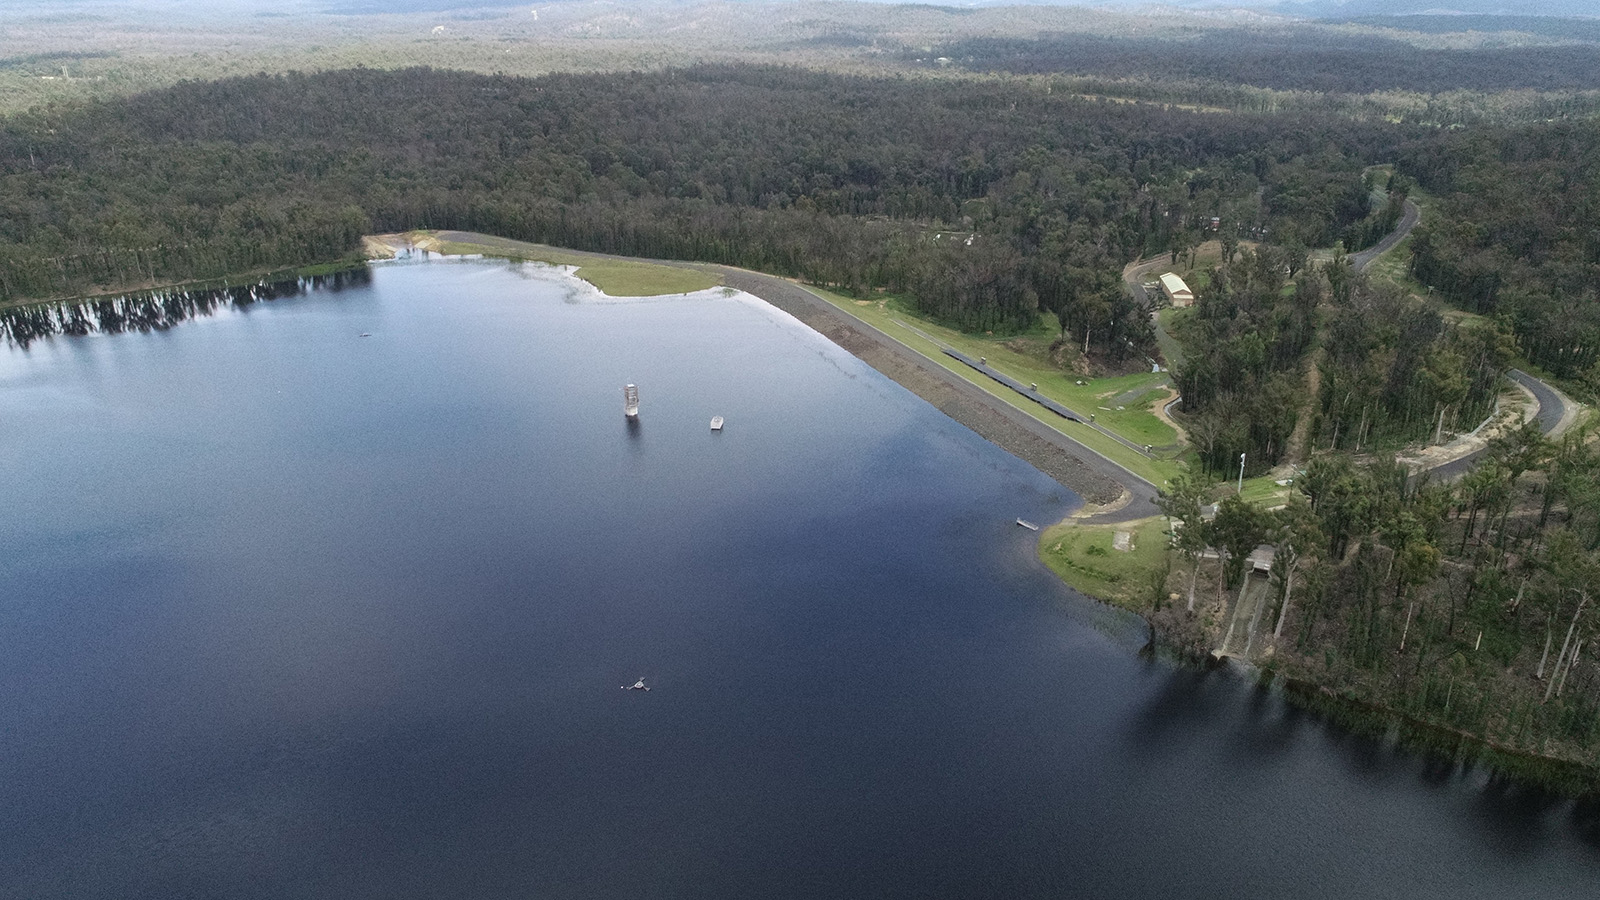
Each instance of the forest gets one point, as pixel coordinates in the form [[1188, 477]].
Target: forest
[[1462, 605], [1287, 61], [989, 204], [1516, 240]]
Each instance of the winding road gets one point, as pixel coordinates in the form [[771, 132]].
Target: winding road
[[1554, 409], [1409, 217]]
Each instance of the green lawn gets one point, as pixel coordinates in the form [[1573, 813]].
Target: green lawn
[[1263, 491], [1023, 358], [1083, 556], [616, 277]]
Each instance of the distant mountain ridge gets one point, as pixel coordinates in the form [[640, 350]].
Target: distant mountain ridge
[[1311, 9], [1442, 9]]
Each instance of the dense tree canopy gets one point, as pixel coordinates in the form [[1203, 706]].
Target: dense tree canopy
[[1287, 59], [988, 202], [1515, 237]]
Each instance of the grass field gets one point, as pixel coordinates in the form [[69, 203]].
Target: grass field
[[1024, 358], [615, 277], [1085, 558]]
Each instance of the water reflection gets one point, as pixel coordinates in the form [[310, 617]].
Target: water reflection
[[157, 310]]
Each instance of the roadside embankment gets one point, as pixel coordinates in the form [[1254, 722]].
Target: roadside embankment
[[997, 421]]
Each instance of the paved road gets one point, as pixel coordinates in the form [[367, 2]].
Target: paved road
[[1409, 217], [1553, 407]]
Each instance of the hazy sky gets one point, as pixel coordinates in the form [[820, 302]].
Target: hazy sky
[[210, 9]]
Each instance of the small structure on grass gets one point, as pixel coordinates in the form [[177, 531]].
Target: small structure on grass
[[1176, 292]]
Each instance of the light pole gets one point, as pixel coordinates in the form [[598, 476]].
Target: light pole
[[1241, 473]]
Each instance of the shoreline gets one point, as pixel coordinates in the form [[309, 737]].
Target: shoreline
[[1099, 483]]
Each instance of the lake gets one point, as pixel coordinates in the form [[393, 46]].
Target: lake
[[286, 611]]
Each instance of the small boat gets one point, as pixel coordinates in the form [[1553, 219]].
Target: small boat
[[1028, 525], [366, 334], [716, 423], [636, 686]]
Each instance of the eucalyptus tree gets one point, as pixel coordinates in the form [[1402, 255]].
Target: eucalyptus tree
[[1340, 498], [1181, 501], [1299, 541]]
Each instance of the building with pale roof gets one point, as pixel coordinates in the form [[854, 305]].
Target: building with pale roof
[[1177, 293]]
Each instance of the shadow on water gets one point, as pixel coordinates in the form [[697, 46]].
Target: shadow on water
[[1268, 727], [1185, 702], [157, 310], [1584, 819], [1516, 820], [1252, 720]]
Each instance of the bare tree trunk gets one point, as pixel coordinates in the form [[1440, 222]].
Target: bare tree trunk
[[1548, 637], [1570, 663], [1563, 654], [1411, 608], [1283, 611], [1194, 575]]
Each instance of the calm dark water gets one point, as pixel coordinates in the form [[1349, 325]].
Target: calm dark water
[[289, 612]]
